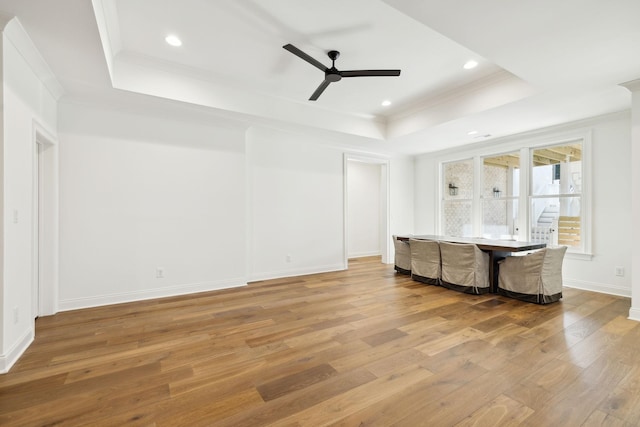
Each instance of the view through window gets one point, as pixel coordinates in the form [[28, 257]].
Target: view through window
[[553, 195], [556, 194], [457, 206], [501, 182]]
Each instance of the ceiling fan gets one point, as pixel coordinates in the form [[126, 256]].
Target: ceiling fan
[[332, 74]]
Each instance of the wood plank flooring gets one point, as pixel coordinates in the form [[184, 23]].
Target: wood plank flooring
[[362, 347]]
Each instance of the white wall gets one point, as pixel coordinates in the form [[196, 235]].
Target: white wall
[[426, 185], [611, 211], [296, 205], [139, 193], [634, 88], [206, 201], [611, 203], [402, 195], [25, 102], [364, 204]]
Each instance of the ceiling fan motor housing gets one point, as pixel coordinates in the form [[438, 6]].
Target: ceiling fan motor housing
[[332, 74]]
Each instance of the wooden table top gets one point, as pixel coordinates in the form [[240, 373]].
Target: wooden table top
[[482, 243]]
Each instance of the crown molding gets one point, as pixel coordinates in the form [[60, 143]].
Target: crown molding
[[16, 35], [633, 85], [106, 14]]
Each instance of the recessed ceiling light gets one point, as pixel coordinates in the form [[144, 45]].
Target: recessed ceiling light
[[173, 40], [470, 64], [487, 135], [472, 132], [386, 103]]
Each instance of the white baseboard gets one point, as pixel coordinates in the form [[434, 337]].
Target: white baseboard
[[634, 314], [603, 288], [296, 272], [100, 300], [364, 254], [14, 353]]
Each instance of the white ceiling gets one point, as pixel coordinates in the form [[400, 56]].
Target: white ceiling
[[541, 62]]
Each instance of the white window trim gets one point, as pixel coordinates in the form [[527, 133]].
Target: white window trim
[[524, 144], [441, 193], [585, 253], [481, 198]]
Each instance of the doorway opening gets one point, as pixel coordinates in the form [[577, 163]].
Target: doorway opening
[[366, 204], [44, 300]]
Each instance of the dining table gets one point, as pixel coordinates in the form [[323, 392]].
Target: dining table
[[498, 249]]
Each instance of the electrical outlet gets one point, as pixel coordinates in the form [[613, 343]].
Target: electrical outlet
[[16, 315], [288, 258], [159, 273], [619, 271]]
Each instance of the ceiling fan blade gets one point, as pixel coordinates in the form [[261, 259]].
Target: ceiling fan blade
[[319, 91], [291, 48], [369, 73]]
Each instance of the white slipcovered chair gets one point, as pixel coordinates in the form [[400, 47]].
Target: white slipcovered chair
[[536, 277], [425, 261], [465, 268], [403, 256]]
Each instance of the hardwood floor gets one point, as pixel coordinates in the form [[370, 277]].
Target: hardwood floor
[[361, 347]]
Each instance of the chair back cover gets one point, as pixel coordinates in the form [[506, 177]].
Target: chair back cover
[[535, 277], [464, 264], [402, 256], [425, 260], [551, 273]]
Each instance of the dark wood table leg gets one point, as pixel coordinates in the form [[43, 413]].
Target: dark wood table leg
[[494, 258]]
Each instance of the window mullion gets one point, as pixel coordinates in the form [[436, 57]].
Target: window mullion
[[477, 195], [524, 204]]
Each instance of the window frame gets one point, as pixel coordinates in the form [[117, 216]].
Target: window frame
[[444, 188], [525, 145], [508, 198]]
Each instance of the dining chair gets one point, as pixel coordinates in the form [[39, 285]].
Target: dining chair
[[425, 261], [535, 277], [465, 268], [402, 256]]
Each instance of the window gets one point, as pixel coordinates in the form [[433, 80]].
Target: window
[[532, 192], [556, 194], [457, 204], [500, 181]]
